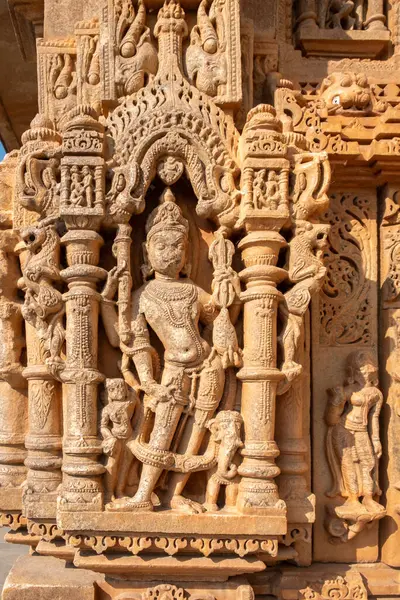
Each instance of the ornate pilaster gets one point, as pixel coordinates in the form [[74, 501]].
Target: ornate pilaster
[[38, 192], [82, 209], [307, 15], [13, 401], [264, 211], [390, 345]]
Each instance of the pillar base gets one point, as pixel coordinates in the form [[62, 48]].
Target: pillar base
[[34, 577], [46, 578]]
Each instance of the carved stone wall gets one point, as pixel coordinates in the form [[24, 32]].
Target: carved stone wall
[[199, 303]]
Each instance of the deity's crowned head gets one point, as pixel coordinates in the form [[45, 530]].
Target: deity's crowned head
[[362, 368], [167, 237], [166, 217]]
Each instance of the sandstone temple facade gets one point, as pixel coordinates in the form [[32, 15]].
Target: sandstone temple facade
[[200, 298]]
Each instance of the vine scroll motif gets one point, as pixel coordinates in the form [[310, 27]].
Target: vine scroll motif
[[345, 300]]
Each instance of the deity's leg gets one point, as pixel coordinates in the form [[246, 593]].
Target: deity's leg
[[124, 468], [112, 468], [165, 423], [343, 442], [367, 464], [179, 480], [212, 492]]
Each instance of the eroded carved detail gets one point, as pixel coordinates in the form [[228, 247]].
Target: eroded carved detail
[[353, 447], [129, 56], [349, 14], [350, 587]]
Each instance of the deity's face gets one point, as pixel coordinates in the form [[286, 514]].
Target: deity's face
[[369, 374], [167, 252], [116, 390]]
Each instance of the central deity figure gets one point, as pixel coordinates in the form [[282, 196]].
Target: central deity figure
[[192, 380]]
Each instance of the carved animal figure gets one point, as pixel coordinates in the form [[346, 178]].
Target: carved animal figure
[[205, 57], [312, 177], [225, 430], [346, 93], [352, 443], [44, 307], [307, 271]]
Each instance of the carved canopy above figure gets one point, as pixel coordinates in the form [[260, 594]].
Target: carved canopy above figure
[[168, 128]]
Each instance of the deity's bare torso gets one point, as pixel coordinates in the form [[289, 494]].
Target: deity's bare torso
[[360, 402], [173, 310], [119, 415]]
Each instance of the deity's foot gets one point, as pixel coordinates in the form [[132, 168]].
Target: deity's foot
[[155, 500], [187, 506], [351, 509], [209, 507], [292, 369], [129, 505], [108, 498], [374, 508]]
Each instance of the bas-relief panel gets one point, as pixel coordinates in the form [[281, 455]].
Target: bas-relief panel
[[344, 322], [152, 293], [185, 399]]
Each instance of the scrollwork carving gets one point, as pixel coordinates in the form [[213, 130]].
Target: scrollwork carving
[[350, 587], [345, 302]]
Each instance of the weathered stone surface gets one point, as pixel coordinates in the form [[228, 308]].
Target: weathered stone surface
[[198, 302]]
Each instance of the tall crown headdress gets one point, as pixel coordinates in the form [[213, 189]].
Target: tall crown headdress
[[166, 217]]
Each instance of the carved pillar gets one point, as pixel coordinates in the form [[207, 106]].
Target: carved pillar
[[307, 14], [44, 438], [376, 18], [13, 402], [263, 213], [37, 192], [82, 208], [390, 344], [293, 438]]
